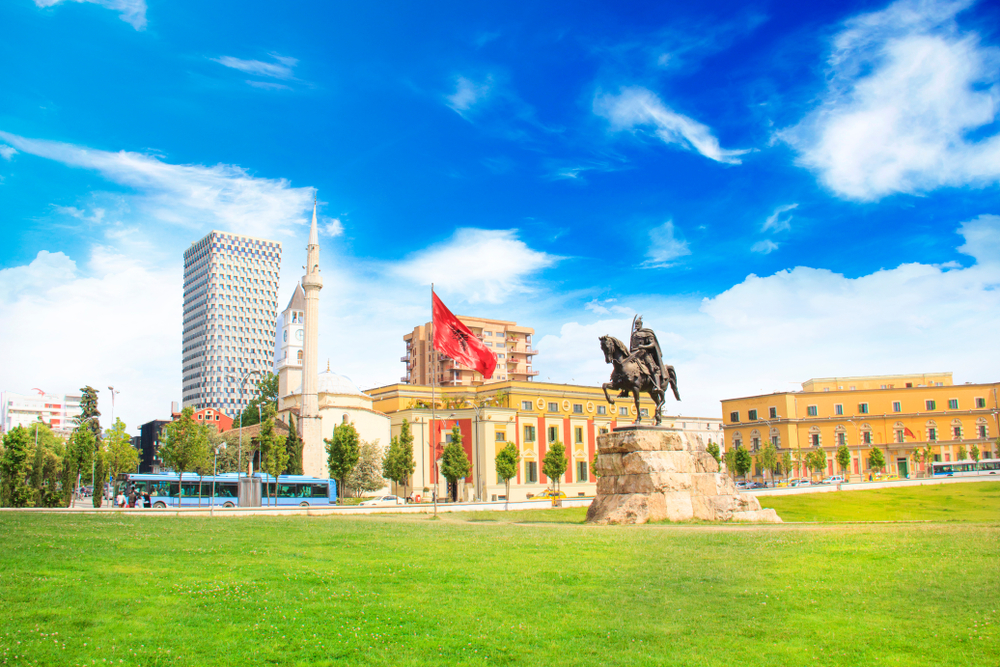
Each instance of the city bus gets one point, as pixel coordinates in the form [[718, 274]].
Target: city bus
[[966, 468], [292, 490]]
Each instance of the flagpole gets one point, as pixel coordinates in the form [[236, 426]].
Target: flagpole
[[434, 439]]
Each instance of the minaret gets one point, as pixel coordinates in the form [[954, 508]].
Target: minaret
[[312, 433]]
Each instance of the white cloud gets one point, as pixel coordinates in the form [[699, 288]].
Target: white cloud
[[333, 228], [133, 12], [191, 196], [771, 333], [481, 265], [468, 93], [777, 221], [7, 152], [765, 247], [281, 68], [664, 247], [636, 107], [905, 89], [73, 327]]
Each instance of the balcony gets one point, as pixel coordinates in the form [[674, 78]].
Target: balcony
[[404, 380], [531, 373], [405, 359]]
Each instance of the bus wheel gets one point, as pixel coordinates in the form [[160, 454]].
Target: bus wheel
[[159, 505], [303, 504], [228, 505]]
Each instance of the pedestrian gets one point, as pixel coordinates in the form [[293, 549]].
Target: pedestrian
[[131, 498], [147, 499]]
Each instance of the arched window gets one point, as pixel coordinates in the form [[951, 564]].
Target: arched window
[[737, 440], [932, 432], [982, 428], [775, 438], [956, 429], [899, 431], [814, 437], [299, 355], [754, 440], [866, 434], [840, 433]]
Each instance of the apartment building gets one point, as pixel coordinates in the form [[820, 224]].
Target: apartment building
[[56, 410], [230, 310], [509, 342]]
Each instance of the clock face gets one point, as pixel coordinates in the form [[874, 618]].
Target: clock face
[[299, 335]]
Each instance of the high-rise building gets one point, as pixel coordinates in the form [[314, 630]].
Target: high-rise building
[[510, 343], [230, 308], [56, 410]]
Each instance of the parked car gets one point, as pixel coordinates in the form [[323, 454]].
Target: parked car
[[800, 482], [834, 479], [549, 495], [382, 501]]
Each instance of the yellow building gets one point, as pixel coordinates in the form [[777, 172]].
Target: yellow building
[[531, 415], [509, 342], [896, 413]]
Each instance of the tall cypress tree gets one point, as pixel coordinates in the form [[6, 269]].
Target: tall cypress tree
[[90, 419], [293, 444]]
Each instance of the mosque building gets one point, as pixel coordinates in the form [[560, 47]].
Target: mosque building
[[316, 401]]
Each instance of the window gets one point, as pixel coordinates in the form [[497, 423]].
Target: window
[[529, 433], [734, 417], [603, 431], [754, 443], [582, 474], [841, 438], [814, 437], [531, 472], [553, 407], [602, 409], [501, 436], [931, 405], [863, 408], [980, 402], [953, 404], [772, 413], [553, 433], [776, 440], [838, 409], [982, 430], [752, 415], [447, 437], [899, 435], [897, 406], [867, 437], [812, 410], [578, 435], [526, 405], [956, 432], [644, 412], [487, 333], [623, 411], [931, 434], [578, 408]]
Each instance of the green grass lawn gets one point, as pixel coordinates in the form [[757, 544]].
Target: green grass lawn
[[974, 501], [406, 590]]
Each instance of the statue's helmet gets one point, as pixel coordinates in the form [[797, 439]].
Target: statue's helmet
[[637, 323]]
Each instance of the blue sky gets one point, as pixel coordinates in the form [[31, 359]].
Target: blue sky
[[783, 190]]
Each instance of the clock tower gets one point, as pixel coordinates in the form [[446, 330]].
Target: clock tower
[[291, 341]]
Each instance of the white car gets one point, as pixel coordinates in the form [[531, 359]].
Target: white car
[[382, 501], [835, 479]]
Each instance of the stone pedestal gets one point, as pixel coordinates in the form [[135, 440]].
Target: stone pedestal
[[655, 473]]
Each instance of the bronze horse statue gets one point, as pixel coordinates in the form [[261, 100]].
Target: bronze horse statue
[[629, 377]]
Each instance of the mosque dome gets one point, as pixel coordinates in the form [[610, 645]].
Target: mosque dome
[[329, 382]]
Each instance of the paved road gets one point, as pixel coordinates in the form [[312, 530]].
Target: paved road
[[862, 486]]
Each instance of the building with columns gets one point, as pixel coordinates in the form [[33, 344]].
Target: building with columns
[[317, 402], [898, 414], [531, 415]]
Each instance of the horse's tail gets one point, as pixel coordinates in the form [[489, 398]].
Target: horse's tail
[[673, 381]]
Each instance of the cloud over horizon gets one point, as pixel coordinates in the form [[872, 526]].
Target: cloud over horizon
[[133, 12]]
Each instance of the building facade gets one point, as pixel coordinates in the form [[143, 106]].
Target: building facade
[[509, 342], [898, 414], [56, 410], [532, 415], [230, 309]]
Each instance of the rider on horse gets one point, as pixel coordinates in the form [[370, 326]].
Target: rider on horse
[[645, 349]]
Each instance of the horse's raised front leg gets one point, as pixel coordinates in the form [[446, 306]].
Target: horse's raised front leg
[[605, 388]]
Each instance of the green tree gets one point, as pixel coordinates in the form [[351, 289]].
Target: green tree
[[974, 452], [767, 458], [927, 457], [78, 459], [741, 461], [273, 455], [455, 464], [554, 464], [342, 452], [15, 467], [713, 449], [293, 444], [46, 467], [399, 463], [816, 460], [507, 461], [265, 396], [90, 418], [730, 459], [593, 466], [961, 455], [843, 458], [367, 473], [120, 455], [876, 460], [185, 447], [786, 463]]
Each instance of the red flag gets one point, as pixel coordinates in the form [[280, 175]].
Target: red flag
[[458, 342], [909, 433]]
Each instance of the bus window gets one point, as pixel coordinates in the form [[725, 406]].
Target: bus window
[[288, 490], [225, 491]]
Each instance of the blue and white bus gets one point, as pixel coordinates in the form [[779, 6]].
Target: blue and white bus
[[966, 468], [290, 491]]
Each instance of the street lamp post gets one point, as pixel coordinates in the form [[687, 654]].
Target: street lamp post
[[113, 392], [243, 382], [215, 473]]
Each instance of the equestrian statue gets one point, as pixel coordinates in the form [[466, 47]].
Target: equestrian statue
[[639, 368]]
